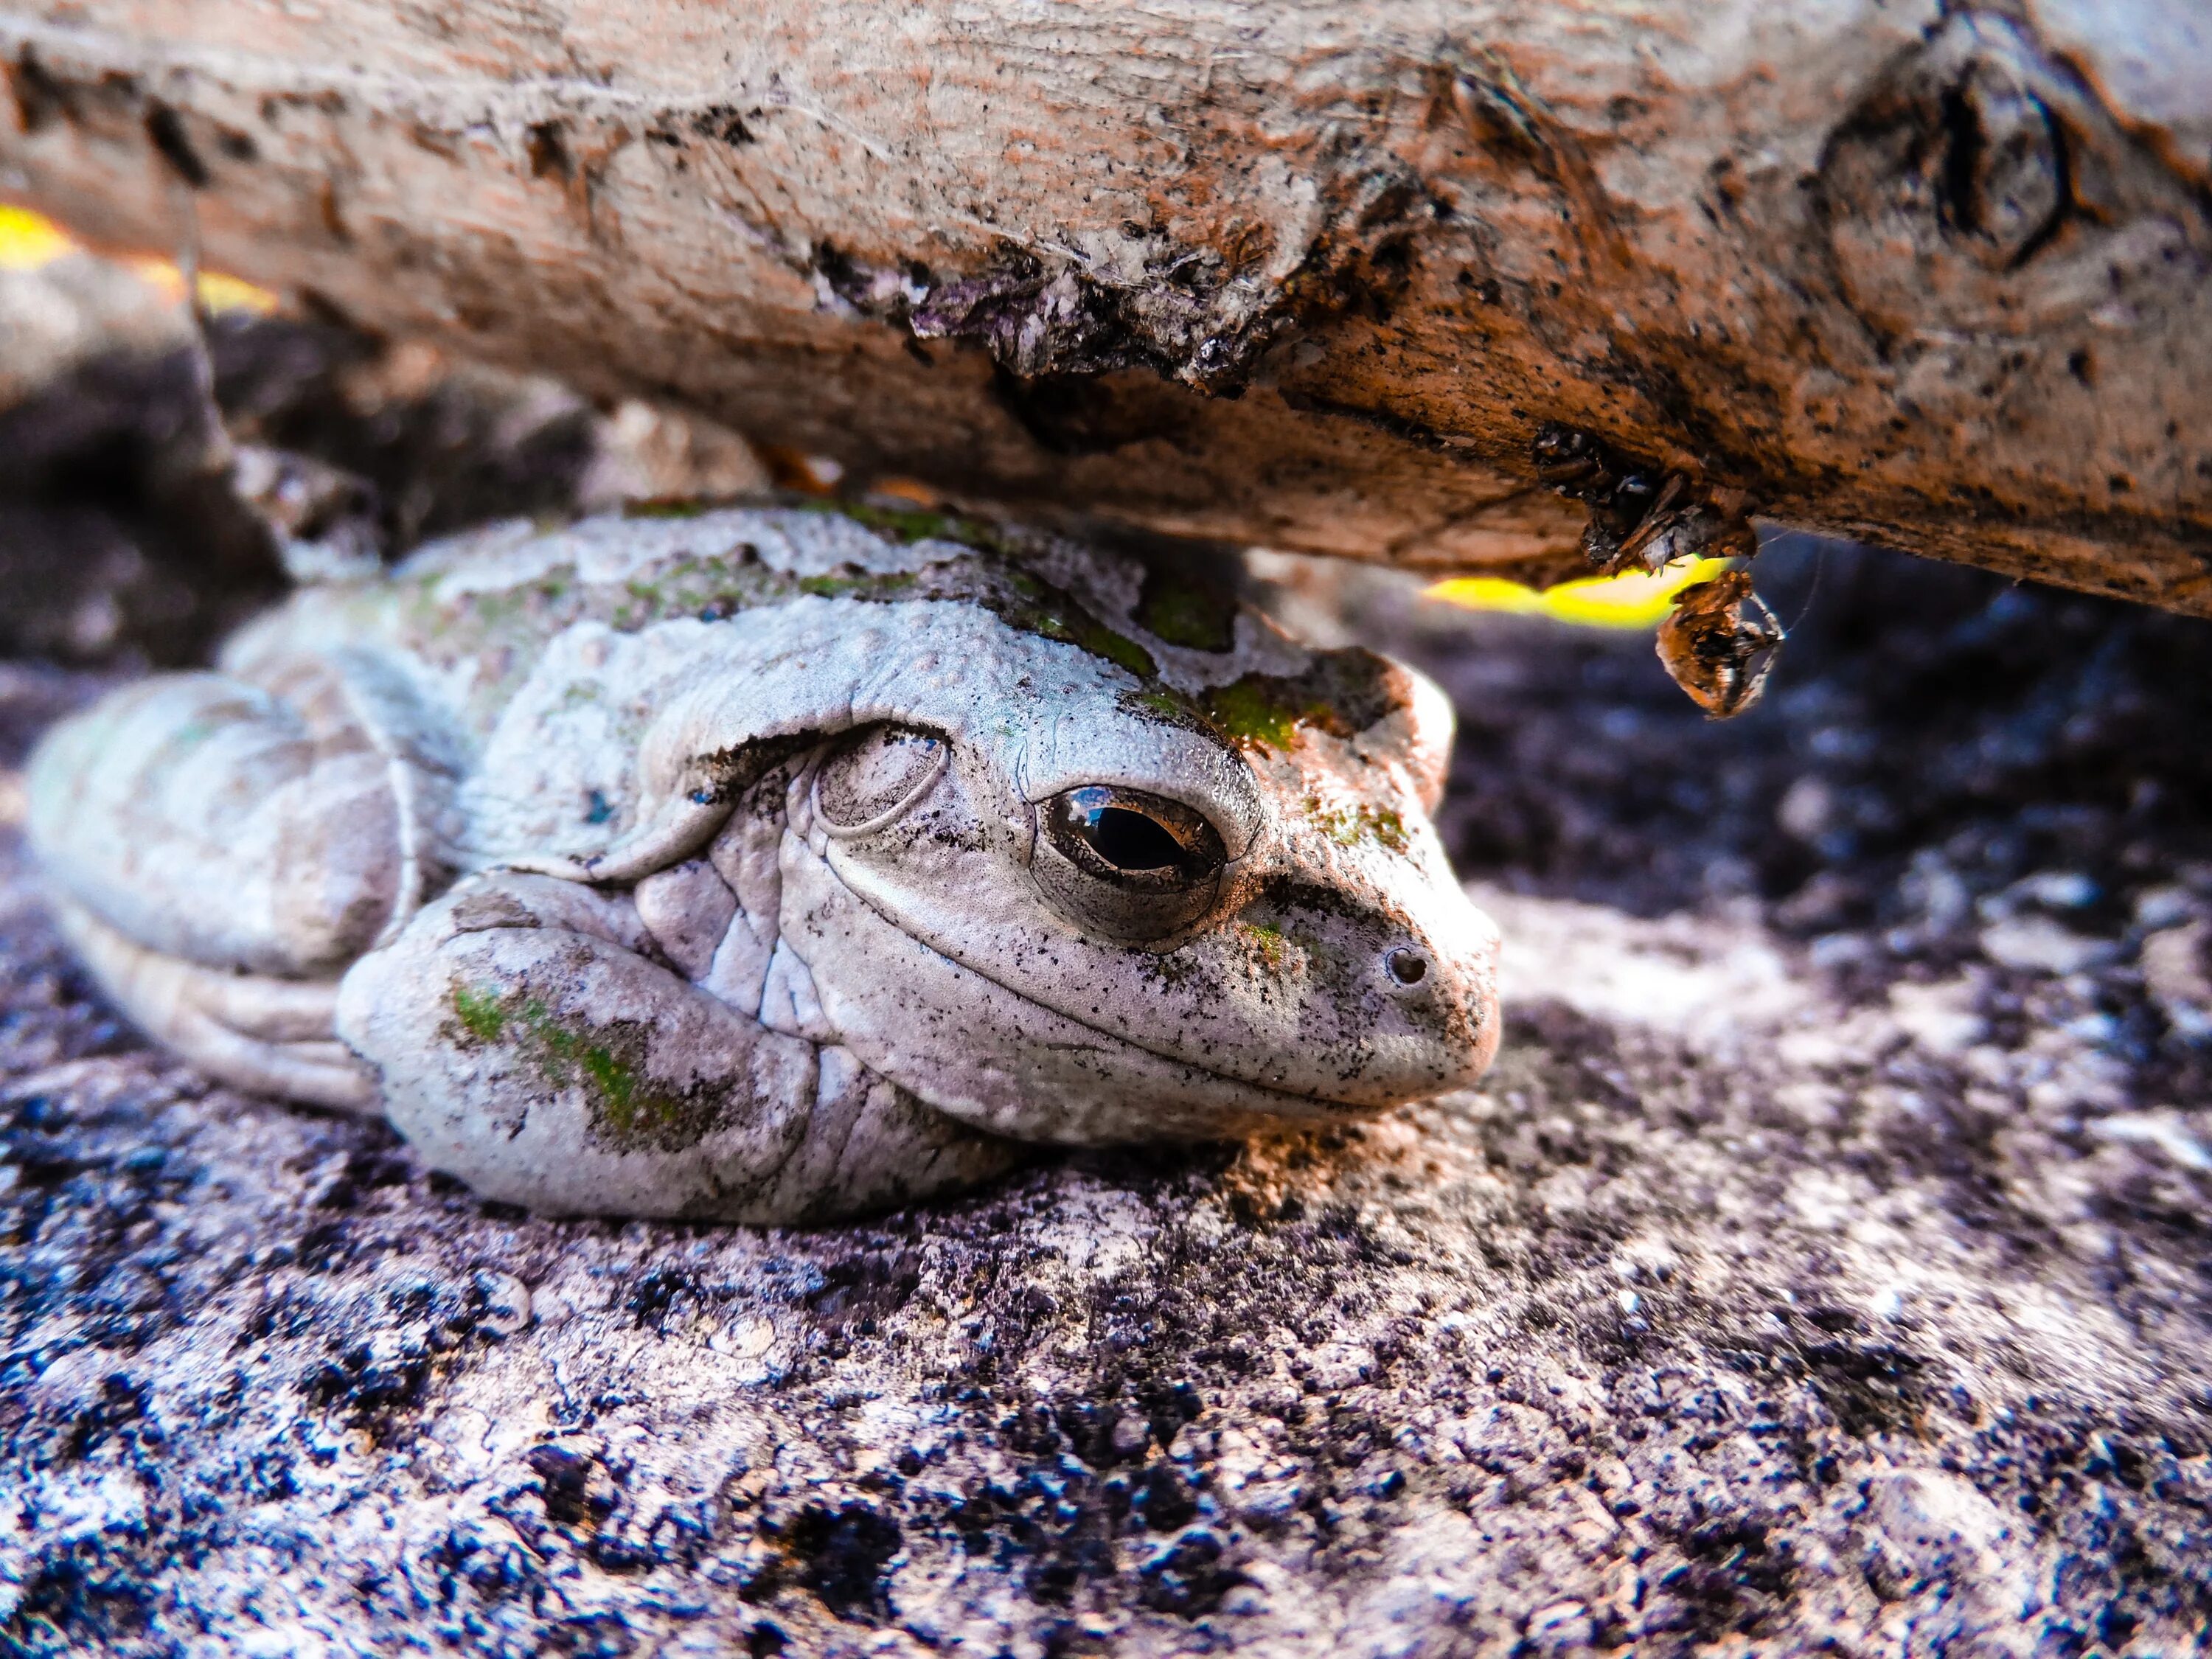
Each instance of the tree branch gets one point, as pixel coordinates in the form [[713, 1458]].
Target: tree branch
[[1305, 276]]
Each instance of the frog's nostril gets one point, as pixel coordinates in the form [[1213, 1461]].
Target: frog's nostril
[[1407, 966]]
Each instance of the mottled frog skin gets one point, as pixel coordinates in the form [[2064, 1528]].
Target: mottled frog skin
[[772, 864]]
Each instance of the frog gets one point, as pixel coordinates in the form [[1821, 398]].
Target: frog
[[776, 862]]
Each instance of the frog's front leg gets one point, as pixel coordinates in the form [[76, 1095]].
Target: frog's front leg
[[530, 1040]]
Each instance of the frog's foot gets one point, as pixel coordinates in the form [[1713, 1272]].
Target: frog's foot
[[272, 1037], [528, 1041]]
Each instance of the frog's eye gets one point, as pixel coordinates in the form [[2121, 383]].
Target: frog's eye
[[1131, 865], [875, 775]]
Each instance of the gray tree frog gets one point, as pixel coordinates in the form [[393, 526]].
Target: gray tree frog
[[770, 864]]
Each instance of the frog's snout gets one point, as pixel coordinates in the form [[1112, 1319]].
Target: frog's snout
[[1445, 979]]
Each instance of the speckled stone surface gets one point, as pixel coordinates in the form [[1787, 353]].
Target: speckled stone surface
[[1823, 1268]]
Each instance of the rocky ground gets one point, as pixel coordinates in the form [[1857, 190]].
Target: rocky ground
[[1823, 1268]]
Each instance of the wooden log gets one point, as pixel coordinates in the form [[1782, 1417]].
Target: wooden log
[[1278, 273]]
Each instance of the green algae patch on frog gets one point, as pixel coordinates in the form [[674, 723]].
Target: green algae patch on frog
[[1101, 641], [629, 1110], [1353, 826], [1267, 945], [1180, 610], [855, 583], [453, 629], [1253, 713], [703, 587], [1026, 602], [710, 586], [1343, 693], [480, 1014]]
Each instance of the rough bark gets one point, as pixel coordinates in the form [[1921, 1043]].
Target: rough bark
[[1309, 276], [1821, 1271]]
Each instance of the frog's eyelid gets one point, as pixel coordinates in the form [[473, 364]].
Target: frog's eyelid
[[940, 760], [679, 829]]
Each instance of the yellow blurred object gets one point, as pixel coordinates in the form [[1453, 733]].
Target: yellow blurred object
[[29, 239], [218, 293], [1636, 600]]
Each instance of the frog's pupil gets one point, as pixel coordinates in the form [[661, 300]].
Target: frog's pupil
[[1130, 840]]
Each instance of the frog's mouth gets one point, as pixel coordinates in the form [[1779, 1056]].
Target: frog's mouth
[[1458, 1054], [962, 1040], [1270, 1101], [1262, 1099]]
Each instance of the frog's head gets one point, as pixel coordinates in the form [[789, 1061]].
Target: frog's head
[[1072, 851], [1107, 888]]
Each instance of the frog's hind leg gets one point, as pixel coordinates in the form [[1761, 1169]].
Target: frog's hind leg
[[219, 850], [273, 1037]]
